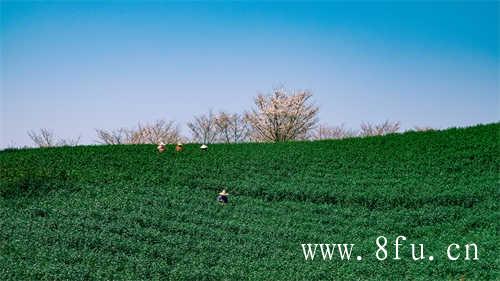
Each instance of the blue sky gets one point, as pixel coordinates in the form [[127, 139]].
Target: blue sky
[[76, 66]]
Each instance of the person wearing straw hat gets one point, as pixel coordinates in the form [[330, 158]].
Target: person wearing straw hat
[[161, 147], [204, 147], [179, 147], [222, 198]]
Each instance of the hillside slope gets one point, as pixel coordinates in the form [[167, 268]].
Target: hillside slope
[[126, 212]]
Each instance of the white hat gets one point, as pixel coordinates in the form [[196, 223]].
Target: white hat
[[203, 146], [223, 192]]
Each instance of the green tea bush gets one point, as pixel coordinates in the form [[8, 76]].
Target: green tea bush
[[126, 212]]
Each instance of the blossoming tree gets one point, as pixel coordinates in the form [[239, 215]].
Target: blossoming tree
[[282, 116]]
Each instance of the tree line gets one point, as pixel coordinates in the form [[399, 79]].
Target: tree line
[[276, 117]]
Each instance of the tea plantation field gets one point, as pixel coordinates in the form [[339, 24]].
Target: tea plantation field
[[126, 212]]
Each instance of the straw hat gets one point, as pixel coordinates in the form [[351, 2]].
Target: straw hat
[[223, 192], [179, 144], [161, 147], [203, 147]]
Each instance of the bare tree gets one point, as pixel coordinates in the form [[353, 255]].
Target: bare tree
[[203, 128], [333, 132], [47, 138], [282, 116], [118, 136], [231, 127], [155, 132], [388, 127], [69, 142]]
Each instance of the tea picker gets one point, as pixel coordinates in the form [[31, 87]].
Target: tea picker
[[204, 147], [179, 147], [222, 198], [161, 147]]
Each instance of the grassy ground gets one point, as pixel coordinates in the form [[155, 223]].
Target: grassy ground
[[128, 213]]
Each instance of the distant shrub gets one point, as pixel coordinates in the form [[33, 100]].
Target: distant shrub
[[388, 127], [332, 132], [422, 128]]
